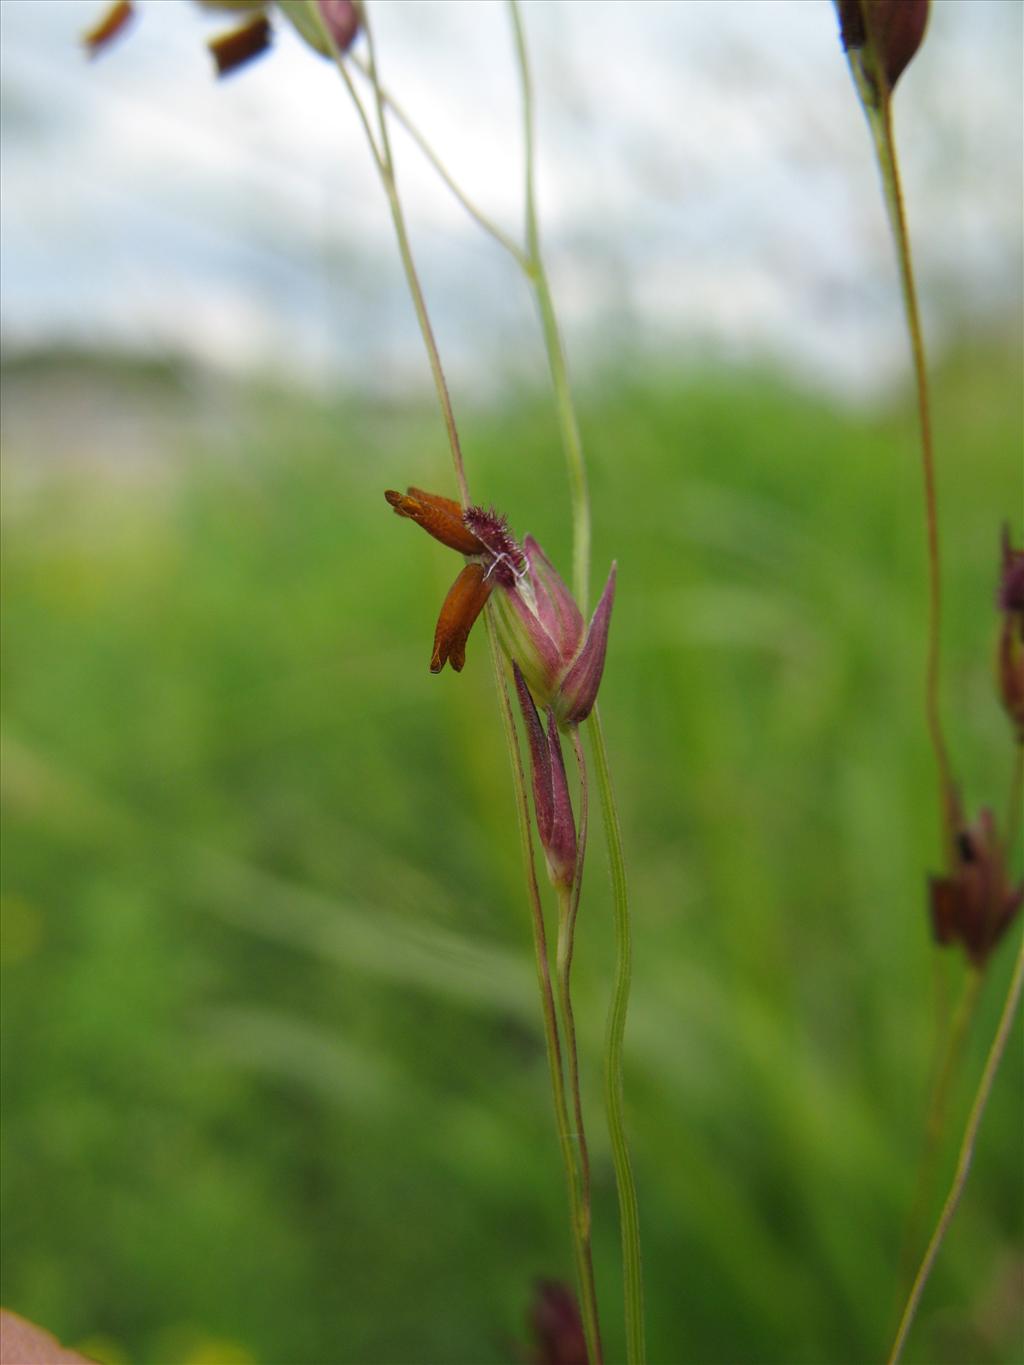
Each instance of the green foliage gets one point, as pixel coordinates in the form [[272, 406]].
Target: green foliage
[[273, 1082]]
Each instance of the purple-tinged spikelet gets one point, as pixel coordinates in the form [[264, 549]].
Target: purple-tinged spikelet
[[975, 903], [540, 627], [883, 35], [551, 802], [556, 1326]]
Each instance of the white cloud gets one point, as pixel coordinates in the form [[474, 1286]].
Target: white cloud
[[703, 165]]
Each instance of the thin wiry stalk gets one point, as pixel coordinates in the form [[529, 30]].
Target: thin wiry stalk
[[963, 1165], [632, 1268], [385, 164], [936, 1120], [386, 167], [567, 932], [537, 275], [475, 212], [894, 202], [588, 1286], [568, 909], [629, 1218], [878, 109], [579, 1211], [378, 155], [532, 265]]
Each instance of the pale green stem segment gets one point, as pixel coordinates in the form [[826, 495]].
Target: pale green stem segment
[[386, 168], [568, 909], [578, 1204], [632, 1266], [963, 1165], [632, 1270], [870, 80], [532, 264], [537, 275], [935, 1121], [475, 212], [877, 103]]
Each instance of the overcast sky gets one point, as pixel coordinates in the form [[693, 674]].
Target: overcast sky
[[706, 186]]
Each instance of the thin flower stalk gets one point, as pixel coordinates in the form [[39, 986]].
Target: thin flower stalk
[[563, 959], [579, 1198], [386, 169], [876, 65], [629, 1216], [632, 1266], [880, 39], [537, 275], [565, 851], [935, 1122], [385, 164], [965, 1158], [473, 209], [533, 267], [885, 147], [568, 910], [569, 907]]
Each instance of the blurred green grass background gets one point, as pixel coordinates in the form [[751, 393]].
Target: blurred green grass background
[[273, 1083]]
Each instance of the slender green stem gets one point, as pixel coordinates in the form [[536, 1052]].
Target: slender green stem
[[583, 825], [533, 266], [386, 168], [877, 103], [371, 65], [579, 1221], [339, 62], [632, 1270], [537, 274], [568, 909], [588, 1287], [954, 1050], [963, 1165], [579, 1212], [475, 212], [632, 1267], [936, 1118]]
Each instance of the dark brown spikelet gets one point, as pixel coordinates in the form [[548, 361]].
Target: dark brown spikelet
[[113, 23], [896, 27], [235, 49], [556, 1325], [975, 904], [439, 517]]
